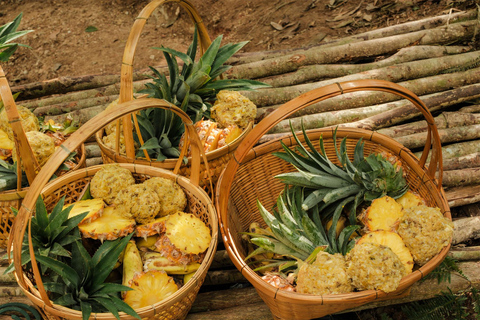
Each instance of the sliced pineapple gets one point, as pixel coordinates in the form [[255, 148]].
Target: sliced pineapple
[[187, 277], [43, 146], [155, 261], [132, 263], [149, 288], [383, 214], [393, 241], [147, 243], [228, 135], [28, 119], [6, 145], [94, 207], [410, 199], [340, 225], [185, 240], [150, 229], [110, 226]]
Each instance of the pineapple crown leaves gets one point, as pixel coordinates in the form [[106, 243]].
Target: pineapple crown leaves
[[195, 86], [8, 33], [294, 233], [52, 234], [366, 178], [84, 287]]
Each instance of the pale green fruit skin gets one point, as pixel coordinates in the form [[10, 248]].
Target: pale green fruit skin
[[29, 121], [374, 267], [43, 146], [109, 180], [425, 232], [327, 275]]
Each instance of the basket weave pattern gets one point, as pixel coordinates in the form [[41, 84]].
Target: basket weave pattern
[[71, 186], [13, 198], [250, 177], [217, 159]]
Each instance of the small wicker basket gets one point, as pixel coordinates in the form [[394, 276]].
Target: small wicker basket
[[70, 185], [250, 176], [13, 198], [217, 158]]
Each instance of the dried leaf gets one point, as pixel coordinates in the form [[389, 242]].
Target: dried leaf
[[367, 17], [343, 24], [276, 26], [346, 15]]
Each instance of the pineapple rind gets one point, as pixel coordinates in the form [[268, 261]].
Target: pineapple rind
[[373, 266], [327, 275], [155, 261], [110, 226], [43, 146], [393, 241], [28, 119], [138, 201], [383, 214], [109, 180], [425, 232], [171, 195], [93, 206], [150, 230], [233, 108], [149, 288]]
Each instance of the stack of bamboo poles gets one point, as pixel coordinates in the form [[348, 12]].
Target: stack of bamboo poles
[[436, 58]]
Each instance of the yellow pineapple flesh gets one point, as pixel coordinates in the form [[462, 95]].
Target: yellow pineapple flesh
[[410, 199], [393, 241], [233, 108], [149, 230], [185, 240], [6, 145], [228, 135], [94, 207], [149, 288], [28, 119], [138, 201], [383, 214], [132, 263], [155, 261], [109, 180], [43, 146], [110, 226]]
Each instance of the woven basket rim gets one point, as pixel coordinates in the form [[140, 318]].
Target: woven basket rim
[[199, 275]]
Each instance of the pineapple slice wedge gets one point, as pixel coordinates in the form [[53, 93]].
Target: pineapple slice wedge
[[132, 263], [185, 240], [155, 261], [6, 145], [110, 226], [93, 206], [383, 214], [228, 135], [410, 199], [393, 241], [147, 243], [149, 288]]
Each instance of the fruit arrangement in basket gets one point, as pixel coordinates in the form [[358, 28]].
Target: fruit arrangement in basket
[[219, 111], [121, 246], [346, 226], [43, 137]]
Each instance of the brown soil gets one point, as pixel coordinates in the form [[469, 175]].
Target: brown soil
[[62, 46]]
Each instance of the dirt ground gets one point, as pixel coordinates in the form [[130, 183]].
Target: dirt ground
[[82, 37]]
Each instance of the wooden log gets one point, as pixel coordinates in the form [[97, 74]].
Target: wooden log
[[252, 311], [62, 108], [348, 52], [473, 109], [448, 135], [456, 150], [462, 162], [466, 229], [461, 196], [325, 71], [423, 69], [221, 277], [461, 177], [223, 299], [444, 120], [465, 253]]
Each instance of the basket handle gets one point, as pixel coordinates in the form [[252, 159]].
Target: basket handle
[[323, 93], [126, 80], [23, 149], [21, 222]]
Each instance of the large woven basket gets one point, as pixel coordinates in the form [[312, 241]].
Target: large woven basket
[[250, 176], [13, 198], [217, 158], [70, 185]]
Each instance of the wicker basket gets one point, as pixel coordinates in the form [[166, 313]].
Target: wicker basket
[[250, 176], [70, 185], [217, 158], [13, 198]]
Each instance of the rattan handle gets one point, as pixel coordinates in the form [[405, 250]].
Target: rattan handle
[[23, 149], [72, 143], [316, 95], [126, 80]]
